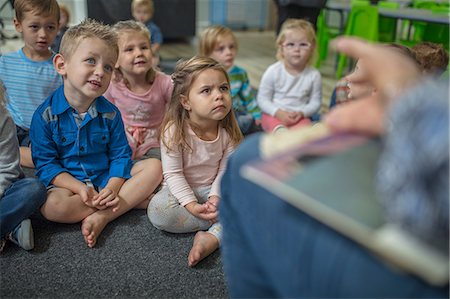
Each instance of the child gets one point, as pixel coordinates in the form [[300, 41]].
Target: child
[[433, 58], [143, 11], [28, 74], [63, 25], [198, 134], [219, 43], [78, 140], [19, 196], [290, 89], [140, 93]]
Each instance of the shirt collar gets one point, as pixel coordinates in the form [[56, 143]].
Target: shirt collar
[[61, 105]]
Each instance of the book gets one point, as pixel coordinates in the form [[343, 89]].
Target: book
[[332, 179]]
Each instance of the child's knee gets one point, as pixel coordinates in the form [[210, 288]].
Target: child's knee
[[58, 209], [159, 215], [36, 191]]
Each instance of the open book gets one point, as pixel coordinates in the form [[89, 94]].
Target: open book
[[333, 180]]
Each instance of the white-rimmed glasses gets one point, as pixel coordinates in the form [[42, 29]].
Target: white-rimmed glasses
[[301, 45]]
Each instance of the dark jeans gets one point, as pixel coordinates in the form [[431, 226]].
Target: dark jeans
[[19, 201], [272, 249]]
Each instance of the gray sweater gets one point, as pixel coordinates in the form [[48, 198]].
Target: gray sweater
[[10, 169]]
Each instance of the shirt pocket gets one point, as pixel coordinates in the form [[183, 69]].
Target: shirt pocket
[[65, 142], [100, 141]]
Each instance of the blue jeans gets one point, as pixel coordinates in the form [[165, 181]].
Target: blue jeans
[[271, 249], [19, 201]]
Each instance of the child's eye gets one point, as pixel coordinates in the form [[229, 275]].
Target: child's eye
[[205, 90], [128, 49], [90, 61], [34, 27], [51, 28], [224, 88], [108, 68]]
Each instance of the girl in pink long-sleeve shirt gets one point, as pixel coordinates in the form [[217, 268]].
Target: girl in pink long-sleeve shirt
[[142, 95], [198, 134]]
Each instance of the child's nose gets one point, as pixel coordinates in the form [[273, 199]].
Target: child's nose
[[218, 95], [99, 70]]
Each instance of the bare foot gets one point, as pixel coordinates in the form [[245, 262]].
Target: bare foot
[[204, 244], [91, 228]]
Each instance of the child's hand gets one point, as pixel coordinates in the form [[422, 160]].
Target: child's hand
[[201, 211], [213, 203], [87, 195], [107, 198], [295, 117], [288, 118]]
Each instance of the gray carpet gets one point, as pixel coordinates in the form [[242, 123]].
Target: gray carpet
[[131, 259]]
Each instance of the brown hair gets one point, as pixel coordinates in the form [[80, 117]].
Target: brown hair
[[147, 3], [211, 36], [186, 72], [39, 7], [87, 29], [123, 27], [297, 24], [432, 58]]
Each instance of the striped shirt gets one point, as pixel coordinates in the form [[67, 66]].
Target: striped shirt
[[242, 93], [28, 83]]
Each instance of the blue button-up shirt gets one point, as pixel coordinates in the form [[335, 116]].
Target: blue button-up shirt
[[95, 149]]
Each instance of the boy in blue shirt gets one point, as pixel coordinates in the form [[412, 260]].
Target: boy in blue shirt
[[28, 74], [78, 144]]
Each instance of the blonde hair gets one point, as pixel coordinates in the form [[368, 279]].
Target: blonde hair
[[39, 7], [211, 36], [186, 72], [121, 28], [143, 3], [301, 25], [65, 10], [89, 28]]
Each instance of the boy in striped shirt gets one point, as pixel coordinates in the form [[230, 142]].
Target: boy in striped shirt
[[28, 74]]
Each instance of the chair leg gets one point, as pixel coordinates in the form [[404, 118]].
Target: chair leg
[[342, 62]]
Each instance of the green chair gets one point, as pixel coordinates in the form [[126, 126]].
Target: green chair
[[387, 27], [324, 34], [363, 23], [437, 33], [417, 27]]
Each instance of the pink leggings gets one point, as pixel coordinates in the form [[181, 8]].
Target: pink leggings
[[269, 123]]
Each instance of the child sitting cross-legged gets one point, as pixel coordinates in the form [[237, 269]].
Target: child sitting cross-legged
[[199, 132], [79, 145]]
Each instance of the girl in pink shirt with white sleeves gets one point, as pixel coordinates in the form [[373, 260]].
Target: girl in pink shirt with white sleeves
[[198, 134], [142, 96]]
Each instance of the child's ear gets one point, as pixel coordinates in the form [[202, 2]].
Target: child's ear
[[185, 102], [18, 25], [60, 64]]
